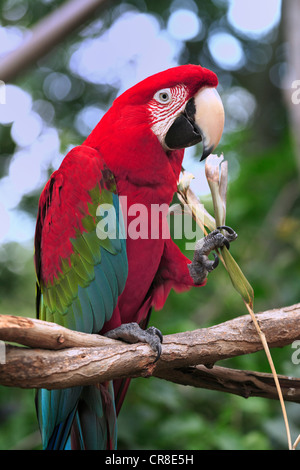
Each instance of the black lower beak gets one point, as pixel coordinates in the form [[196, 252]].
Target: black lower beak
[[184, 132]]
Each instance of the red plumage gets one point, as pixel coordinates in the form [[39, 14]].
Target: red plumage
[[129, 142], [68, 198], [145, 173]]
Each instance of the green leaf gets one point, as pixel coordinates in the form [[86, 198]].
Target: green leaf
[[239, 281]]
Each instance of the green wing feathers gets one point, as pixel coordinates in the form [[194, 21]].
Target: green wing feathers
[[84, 287]]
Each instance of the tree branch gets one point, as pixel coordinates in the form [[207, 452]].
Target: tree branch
[[44, 36], [71, 358], [244, 383], [46, 335]]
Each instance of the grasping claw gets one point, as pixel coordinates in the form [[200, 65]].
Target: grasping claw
[[133, 333], [231, 234], [201, 265]]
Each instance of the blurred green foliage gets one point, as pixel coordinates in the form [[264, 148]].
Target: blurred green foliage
[[263, 207]]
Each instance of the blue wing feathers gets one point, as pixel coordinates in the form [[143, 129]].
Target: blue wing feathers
[[104, 290], [109, 270], [86, 307], [96, 418], [57, 406]]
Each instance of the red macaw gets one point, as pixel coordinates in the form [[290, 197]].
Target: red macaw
[[90, 282]]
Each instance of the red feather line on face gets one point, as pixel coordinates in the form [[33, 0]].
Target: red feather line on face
[[160, 111], [162, 115]]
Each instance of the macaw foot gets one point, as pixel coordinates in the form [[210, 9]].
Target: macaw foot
[[201, 265], [133, 333]]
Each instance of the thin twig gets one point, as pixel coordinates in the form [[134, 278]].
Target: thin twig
[[272, 366]]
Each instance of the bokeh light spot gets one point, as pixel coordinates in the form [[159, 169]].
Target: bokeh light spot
[[226, 50], [184, 25]]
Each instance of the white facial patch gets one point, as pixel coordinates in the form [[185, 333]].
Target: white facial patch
[[164, 108]]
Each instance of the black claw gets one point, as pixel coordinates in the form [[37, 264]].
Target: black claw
[[216, 262], [226, 243], [158, 333], [158, 350], [228, 229], [156, 346], [232, 235]]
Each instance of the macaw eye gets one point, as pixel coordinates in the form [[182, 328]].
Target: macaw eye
[[163, 96]]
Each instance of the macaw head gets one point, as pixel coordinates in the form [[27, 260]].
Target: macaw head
[[143, 135], [183, 105]]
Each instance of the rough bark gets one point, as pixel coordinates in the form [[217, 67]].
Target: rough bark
[[67, 358], [244, 383]]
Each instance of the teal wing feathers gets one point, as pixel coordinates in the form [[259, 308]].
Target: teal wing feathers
[[80, 274]]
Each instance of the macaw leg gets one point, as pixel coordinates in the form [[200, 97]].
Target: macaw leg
[[201, 265], [133, 333]]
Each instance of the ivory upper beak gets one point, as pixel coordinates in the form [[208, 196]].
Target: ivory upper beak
[[209, 117]]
